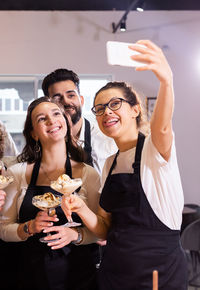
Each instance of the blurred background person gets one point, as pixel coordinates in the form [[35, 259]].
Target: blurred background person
[[10, 151], [2, 148]]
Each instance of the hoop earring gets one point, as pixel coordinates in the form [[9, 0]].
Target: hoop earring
[[37, 147]]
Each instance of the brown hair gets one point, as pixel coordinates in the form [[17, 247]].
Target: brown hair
[[59, 75]]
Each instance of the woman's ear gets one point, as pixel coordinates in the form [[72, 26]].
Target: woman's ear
[[136, 110], [34, 136]]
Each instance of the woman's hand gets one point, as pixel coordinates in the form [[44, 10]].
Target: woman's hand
[[154, 60], [70, 204], [64, 236], [41, 221], [2, 198]]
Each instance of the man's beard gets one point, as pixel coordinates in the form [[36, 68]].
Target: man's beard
[[75, 117]]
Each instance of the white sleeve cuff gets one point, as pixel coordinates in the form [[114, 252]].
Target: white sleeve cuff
[[8, 233]]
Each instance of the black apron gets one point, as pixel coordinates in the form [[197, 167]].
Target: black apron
[[138, 242], [69, 268]]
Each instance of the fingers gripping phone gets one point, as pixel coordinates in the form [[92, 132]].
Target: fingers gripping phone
[[118, 53]]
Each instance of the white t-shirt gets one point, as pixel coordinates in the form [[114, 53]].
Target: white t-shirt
[[160, 180], [17, 190], [102, 146]]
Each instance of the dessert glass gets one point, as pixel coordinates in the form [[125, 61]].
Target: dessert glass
[[47, 202], [67, 186]]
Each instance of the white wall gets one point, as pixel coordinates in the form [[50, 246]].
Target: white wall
[[39, 42]]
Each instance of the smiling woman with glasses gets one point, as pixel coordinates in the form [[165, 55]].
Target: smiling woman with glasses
[[141, 200], [114, 105]]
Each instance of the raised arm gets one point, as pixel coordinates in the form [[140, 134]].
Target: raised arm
[[161, 119]]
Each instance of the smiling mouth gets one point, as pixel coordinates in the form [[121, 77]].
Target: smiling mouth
[[54, 130], [110, 122]]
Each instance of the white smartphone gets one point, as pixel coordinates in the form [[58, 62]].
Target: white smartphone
[[118, 53]]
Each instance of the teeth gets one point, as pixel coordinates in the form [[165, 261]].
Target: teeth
[[53, 130], [113, 120]]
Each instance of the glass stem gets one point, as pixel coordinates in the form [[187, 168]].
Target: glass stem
[[70, 220]]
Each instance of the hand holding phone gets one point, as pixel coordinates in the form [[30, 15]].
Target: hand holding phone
[[119, 53]]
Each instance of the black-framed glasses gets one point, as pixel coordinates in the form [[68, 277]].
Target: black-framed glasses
[[114, 105]]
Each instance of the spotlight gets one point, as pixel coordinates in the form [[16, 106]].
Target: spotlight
[[123, 25], [140, 6], [139, 9], [122, 22]]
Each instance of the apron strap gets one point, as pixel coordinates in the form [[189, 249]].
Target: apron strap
[[114, 163], [35, 172], [136, 164], [87, 146], [68, 166], [139, 147]]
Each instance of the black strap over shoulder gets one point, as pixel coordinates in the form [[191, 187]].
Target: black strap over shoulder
[[136, 164], [87, 145], [35, 172], [140, 143]]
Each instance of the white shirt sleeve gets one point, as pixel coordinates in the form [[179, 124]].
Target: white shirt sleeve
[[162, 184], [14, 196]]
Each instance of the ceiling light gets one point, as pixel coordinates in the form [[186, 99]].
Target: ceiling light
[[139, 9], [122, 22], [123, 25]]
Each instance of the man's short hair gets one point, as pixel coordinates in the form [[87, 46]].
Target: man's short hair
[[59, 75]]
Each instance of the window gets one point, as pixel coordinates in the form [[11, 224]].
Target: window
[[17, 92], [7, 104], [89, 85], [150, 103], [16, 108]]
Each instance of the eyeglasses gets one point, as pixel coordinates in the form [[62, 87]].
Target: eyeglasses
[[114, 105]]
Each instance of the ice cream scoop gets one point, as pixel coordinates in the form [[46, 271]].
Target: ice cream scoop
[[46, 201], [66, 185], [5, 180]]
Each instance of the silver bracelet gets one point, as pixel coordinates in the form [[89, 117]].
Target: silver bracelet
[[80, 237]]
